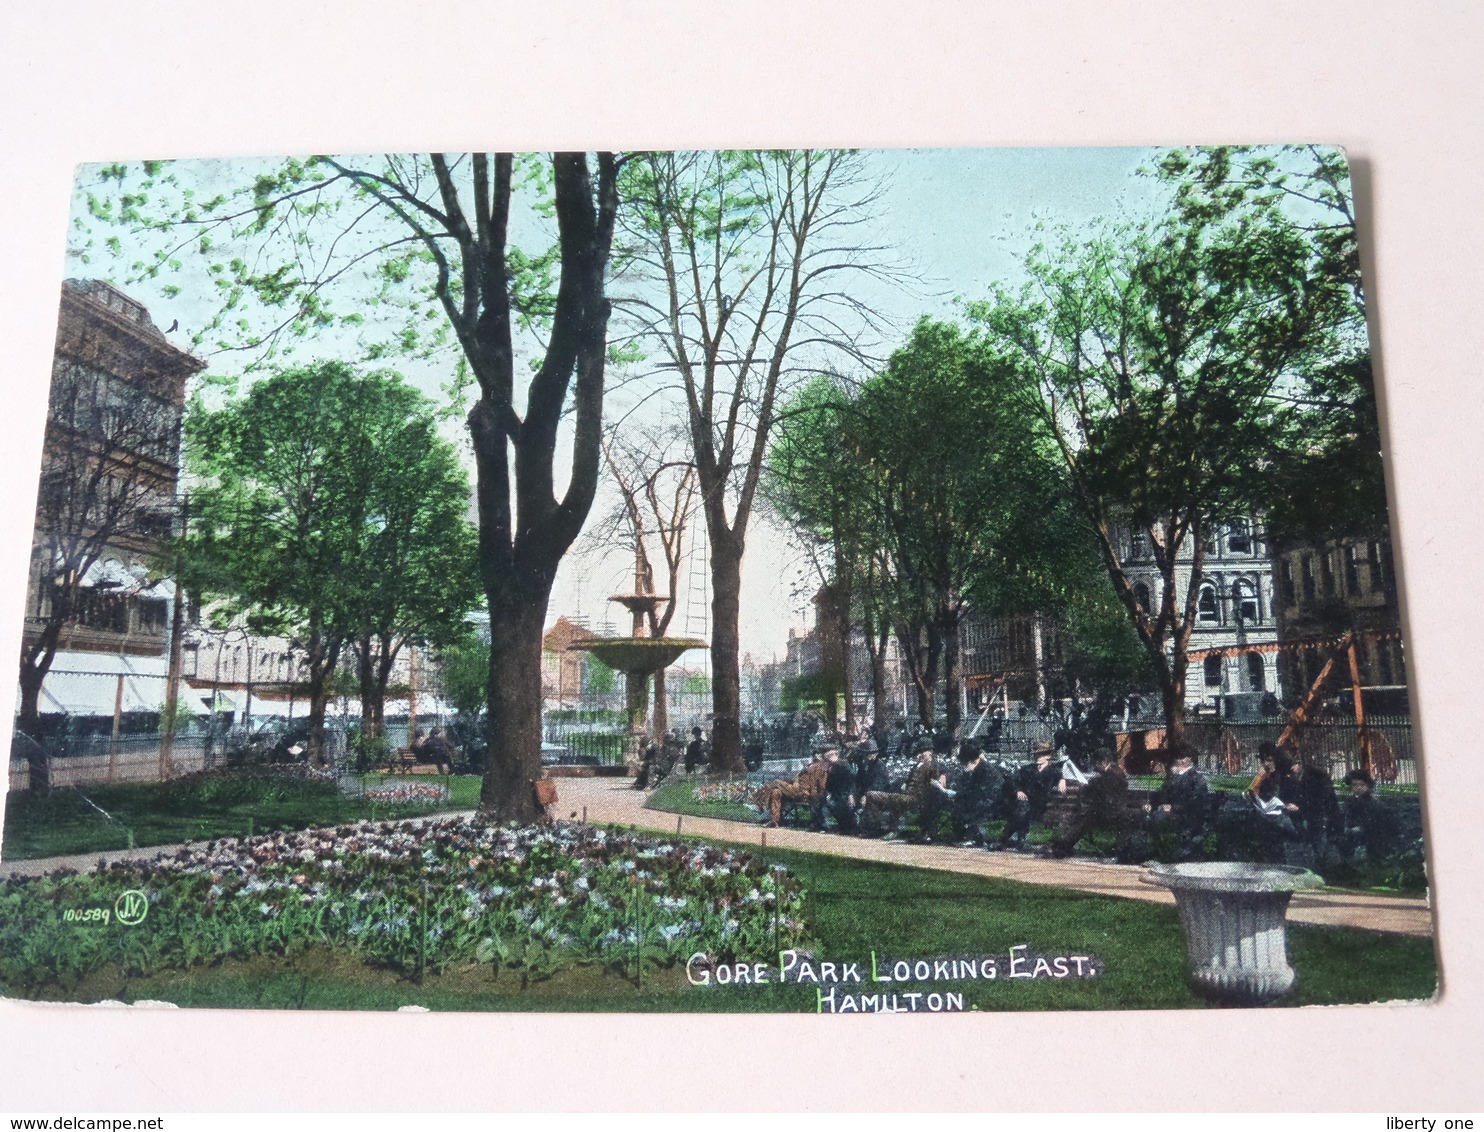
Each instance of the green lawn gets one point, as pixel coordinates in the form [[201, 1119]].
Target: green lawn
[[854, 908], [68, 820]]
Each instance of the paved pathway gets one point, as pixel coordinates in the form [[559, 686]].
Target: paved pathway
[[613, 800], [610, 800]]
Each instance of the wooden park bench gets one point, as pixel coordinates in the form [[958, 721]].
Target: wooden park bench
[[404, 760]]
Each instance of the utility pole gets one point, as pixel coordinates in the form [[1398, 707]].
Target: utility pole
[[172, 668]]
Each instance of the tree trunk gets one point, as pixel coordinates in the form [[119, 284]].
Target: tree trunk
[[367, 685], [726, 675], [876, 649], [28, 724], [953, 672], [660, 716], [385, 659], [323, 656], [927, 688], [508, 792], [1172, 696]]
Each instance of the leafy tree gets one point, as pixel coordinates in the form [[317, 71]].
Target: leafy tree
[[748, 255], [414, 253], [412, 577], [465, 666], [330, 510], [817, 483], [1333, 484], [1177, 364], [974, 509]]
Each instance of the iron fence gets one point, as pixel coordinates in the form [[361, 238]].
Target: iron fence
[[1331, 743]]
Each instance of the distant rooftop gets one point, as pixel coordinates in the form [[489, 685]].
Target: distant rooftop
[[109, 296]]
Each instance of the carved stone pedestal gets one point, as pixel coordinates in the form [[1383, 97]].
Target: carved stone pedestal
[[1234, 916]]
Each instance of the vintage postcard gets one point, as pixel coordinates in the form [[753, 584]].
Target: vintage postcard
[[825, 581]]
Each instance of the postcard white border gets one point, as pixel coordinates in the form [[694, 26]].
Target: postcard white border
[[1401, 88]]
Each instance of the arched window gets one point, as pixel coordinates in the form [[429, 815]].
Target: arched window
[[1141, 592], [1209, 609], [1239, 537], [1213, 671], [1256, 681], [1244, 602]]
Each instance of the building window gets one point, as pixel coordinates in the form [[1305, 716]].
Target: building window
[[1383, 659], [1244, 602], [1352, 571], [1209, 608], [1212, 669], [1290, 595], [1141, 595], [1326, 575], [1239, 540], [1138, 544], [1308, 578], [1256, 681], [152, 616]]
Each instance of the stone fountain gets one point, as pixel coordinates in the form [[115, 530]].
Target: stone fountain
[[638, 657]]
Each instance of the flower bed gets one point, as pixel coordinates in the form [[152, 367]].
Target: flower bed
[[737, 793], [408, 793], [411, 897]]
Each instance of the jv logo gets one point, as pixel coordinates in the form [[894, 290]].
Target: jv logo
[[131, 907]]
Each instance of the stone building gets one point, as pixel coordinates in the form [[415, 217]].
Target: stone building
[[1235, 614], [562, 666], [106, 499], [1330, 588]]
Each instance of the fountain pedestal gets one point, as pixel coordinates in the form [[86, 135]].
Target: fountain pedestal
[[1236, 930]]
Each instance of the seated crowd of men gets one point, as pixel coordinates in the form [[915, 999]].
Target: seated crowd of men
[[1289, 814]]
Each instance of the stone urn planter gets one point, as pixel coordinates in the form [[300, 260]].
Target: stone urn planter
[[1234, 916]]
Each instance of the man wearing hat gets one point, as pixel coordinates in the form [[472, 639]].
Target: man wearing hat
[[980, 794], [839, 795], [808, 787], [1182, 802], [878, 806], [1029, 792], [1368, 829]]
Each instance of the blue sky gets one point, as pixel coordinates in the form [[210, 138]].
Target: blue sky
[[960, 220]]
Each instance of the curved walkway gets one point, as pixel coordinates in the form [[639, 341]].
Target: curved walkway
[[613, 800]]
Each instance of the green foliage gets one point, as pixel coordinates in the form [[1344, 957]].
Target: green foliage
[[976, 506], [331, 508], [466, 675], [802, 690], [598, 678], [1195, 369], [195, 807]]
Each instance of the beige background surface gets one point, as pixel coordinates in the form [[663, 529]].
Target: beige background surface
[[1399, 85]]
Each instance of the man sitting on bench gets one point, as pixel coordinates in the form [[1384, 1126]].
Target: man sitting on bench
[[808, 787], [924, 785]]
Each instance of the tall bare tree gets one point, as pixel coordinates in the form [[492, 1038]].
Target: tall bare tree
[[657, 498], [749, 258], [107, 485]]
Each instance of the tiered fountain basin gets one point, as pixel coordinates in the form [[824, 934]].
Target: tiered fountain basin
[[638, 658]]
